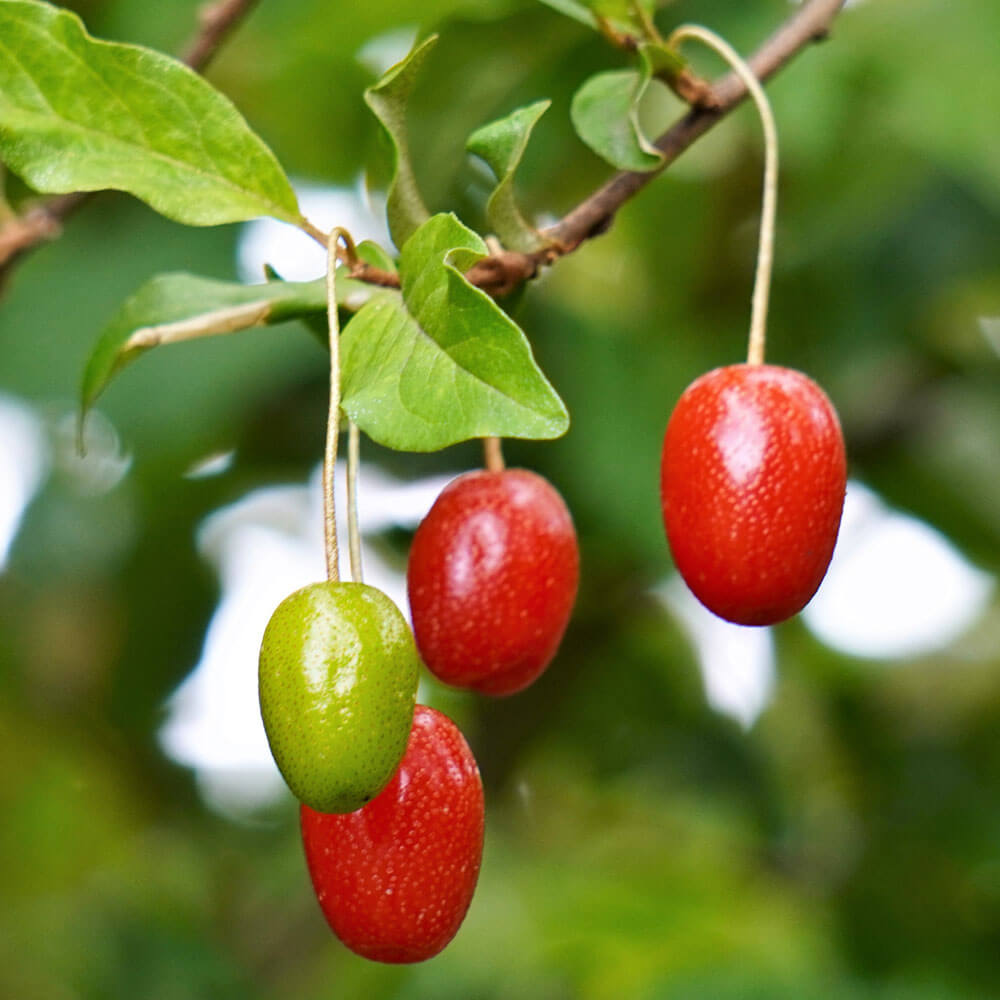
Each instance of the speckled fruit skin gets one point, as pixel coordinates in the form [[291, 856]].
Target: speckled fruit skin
[[338, 684], [492, 578], [395, 879], [752, 485]]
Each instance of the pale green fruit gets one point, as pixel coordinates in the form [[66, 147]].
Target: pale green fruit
[[338, 683]]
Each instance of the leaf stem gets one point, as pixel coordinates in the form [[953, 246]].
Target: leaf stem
[[333, 416], [645, 21], [315, 232], [353, 534], [619, 39], [769, 206], [493, 454]]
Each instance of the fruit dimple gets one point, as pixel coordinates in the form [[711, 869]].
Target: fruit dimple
[[395, 878], [492, 578], [752, 485], [337, 677]]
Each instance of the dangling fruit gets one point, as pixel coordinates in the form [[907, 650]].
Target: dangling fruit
[[492, 579], [338, 683], [752, 485], [395, 878]]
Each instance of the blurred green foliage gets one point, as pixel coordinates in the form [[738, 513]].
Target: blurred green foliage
[[847, 847]]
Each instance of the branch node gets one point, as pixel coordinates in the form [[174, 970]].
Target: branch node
[[503, 272], [693, 90]]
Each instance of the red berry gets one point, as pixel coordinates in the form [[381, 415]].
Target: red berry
[[395, 878], [752, 486], [492, 578]]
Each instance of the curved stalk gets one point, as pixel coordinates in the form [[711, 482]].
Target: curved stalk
[[769, 206]]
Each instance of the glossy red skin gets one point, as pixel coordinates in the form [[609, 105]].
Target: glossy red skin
[[752, 485], [492, 578], [395, 878]]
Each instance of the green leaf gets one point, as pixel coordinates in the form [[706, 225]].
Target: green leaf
[[174, 307], [440, 362], [605, 114], [78, 114], [577, 11], [501, 144], [371, 253], [405, 209], [619, 15], [659, 59]]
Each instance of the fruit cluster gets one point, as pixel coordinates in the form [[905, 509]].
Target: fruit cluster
[[392, 809], [752, 486], [753, 468]]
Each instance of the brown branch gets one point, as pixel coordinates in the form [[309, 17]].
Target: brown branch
[[216, 21], [374, 275], [39, 224], [42, 222], [501, 273]]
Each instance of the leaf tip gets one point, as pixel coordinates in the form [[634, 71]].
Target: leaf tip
[[411, 61]]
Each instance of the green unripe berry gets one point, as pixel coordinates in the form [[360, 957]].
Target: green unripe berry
[[338, 683]]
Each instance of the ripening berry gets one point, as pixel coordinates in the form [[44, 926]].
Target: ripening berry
[[338, 682], [492, 579], [752, 486], [395, 878]]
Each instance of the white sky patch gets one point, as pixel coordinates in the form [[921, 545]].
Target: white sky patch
[[896, 588], [101, 466], [383, 51], [211, 465], [736, 661], [264, 547], [293, 254], [23, 463]]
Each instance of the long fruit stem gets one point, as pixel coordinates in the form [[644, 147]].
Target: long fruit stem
[[769, 207], [333, 416], [353, 534]]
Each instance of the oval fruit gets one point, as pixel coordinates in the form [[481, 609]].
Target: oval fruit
[[338, 683], [395, 878], [752, 486], [492, 578]]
